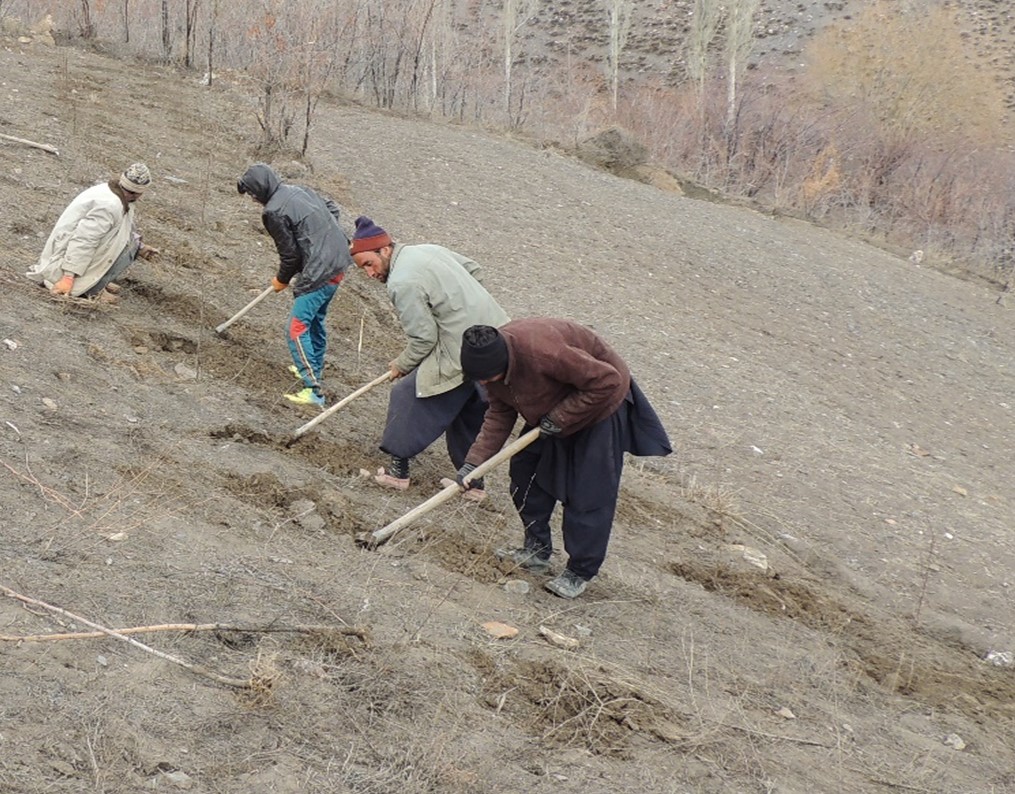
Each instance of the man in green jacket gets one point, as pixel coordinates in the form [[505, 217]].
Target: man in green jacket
[[437, 294]]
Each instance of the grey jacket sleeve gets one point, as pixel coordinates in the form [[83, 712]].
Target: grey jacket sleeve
[[334, 209], [289, 256]]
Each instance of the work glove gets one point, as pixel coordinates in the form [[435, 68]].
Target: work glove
[[64, 285], [548, 428], [277, 285], [465, 471]]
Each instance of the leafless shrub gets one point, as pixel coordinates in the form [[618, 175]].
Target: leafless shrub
[[597, 715], [716, 497]]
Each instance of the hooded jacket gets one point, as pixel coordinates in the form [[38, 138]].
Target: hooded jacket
[[312, 248]]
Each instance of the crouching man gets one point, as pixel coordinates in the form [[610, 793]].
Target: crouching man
[[94, 240]]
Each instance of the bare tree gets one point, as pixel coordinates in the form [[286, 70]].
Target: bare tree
[[212, 29], [516, 14], [167, 41], [441, 46], [86, 26], [126, 21], [705, 20], [293, 49], [190, 31], [739, 42], [318, 59], [419, 60], [619, 13], [384, 46]]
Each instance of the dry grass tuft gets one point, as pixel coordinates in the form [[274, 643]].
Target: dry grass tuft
[[576, 705], [265, 677], [82, 305], [720, 500]]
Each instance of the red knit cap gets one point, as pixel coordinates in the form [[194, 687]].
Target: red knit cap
[[368, 236]]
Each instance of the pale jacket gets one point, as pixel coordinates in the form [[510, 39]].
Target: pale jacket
[[437, 294], [88, 237]]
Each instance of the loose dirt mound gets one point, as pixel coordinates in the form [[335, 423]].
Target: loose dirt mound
[[839, 415]]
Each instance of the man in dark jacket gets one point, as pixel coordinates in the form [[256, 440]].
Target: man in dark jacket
[[563, 378], [313, 255]]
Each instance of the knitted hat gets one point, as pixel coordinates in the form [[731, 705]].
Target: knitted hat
[[368, 236], [484, 353], [136, 178]]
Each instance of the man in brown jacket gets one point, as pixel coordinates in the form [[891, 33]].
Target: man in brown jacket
[[563, 378]]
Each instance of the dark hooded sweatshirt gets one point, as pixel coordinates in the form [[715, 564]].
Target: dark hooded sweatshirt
[[312, 248]]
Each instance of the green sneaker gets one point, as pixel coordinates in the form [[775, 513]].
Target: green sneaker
[[295, 372], [306, 396], [526, 559], [567, 585]]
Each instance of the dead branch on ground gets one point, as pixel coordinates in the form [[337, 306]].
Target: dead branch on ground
[[233, 682], [50, 494], [44, 146], [348, 631]]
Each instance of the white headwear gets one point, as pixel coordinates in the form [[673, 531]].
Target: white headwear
[[136, 178]]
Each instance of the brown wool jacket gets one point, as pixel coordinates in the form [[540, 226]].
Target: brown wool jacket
[[555, 367]]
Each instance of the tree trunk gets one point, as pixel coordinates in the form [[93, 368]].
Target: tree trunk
[[619, 13], [190, 32], [87, 27], [509, 34], [212, 23], [739, 41], [167, 44]]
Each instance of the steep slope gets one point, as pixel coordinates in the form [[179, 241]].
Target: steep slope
[[843, 412]]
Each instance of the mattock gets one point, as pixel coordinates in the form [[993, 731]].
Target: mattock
[[374, 539]]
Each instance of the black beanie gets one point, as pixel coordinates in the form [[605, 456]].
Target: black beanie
[[484, 353]]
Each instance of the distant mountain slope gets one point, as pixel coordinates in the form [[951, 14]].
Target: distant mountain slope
[[576, 29]]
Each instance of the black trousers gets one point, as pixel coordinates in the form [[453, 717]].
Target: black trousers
[[586, 531], [582, 473]]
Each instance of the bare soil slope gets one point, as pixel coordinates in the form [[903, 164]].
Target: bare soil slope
[[840, 411]]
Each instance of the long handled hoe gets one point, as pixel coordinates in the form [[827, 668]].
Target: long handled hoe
[[267, 291], [340, 404], [374, 539]]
